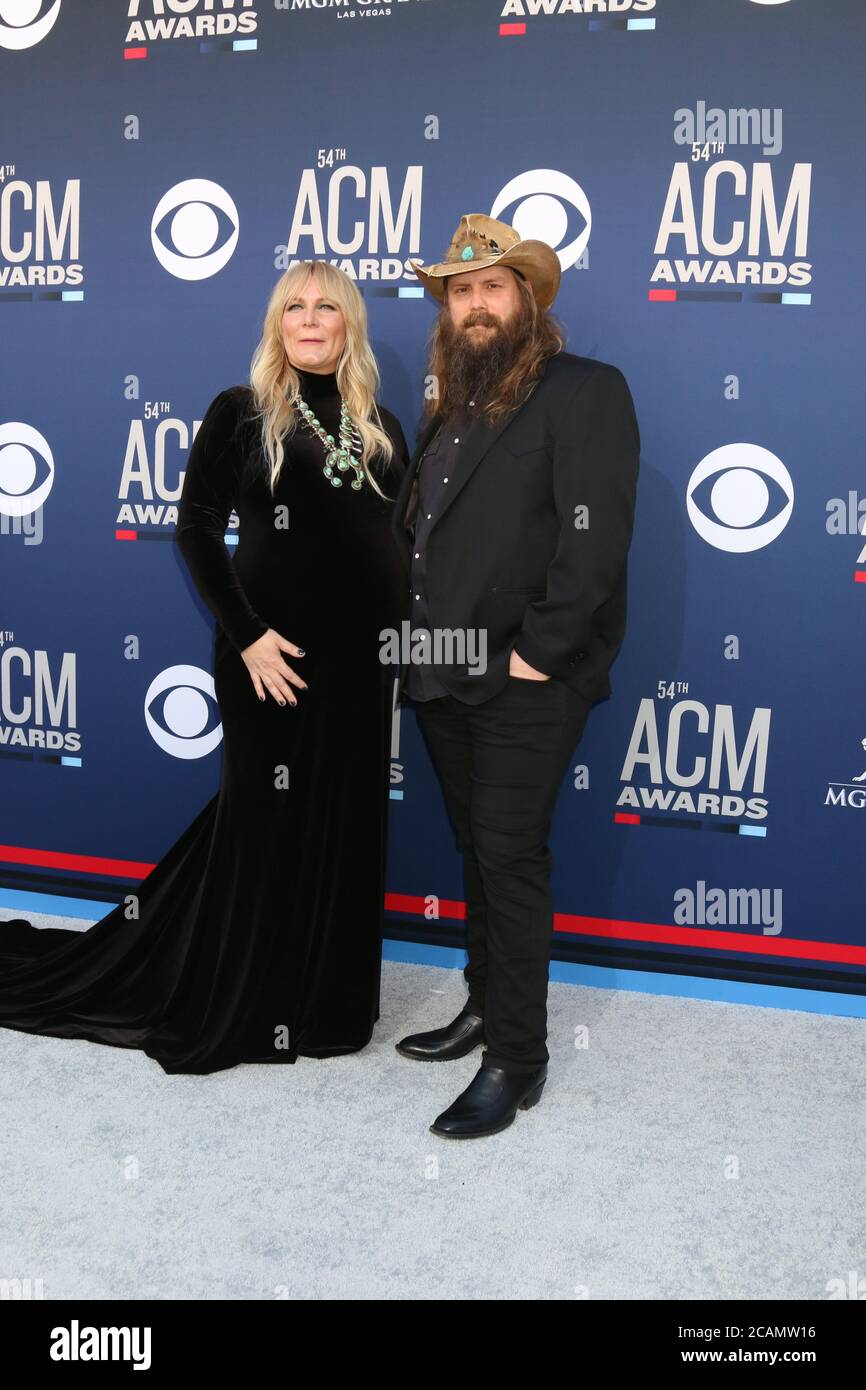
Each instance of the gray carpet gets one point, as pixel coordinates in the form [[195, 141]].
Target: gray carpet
[[692, 1150]]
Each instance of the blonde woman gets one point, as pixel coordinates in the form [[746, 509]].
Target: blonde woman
[[258, 937]]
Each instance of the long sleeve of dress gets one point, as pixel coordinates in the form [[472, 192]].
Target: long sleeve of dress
[[401, 458], [210, 491]]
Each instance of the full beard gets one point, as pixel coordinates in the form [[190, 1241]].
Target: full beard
[[474, 364]]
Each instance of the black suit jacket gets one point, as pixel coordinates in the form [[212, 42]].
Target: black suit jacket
[[505, 553]]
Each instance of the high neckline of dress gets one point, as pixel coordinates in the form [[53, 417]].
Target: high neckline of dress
[[317, 386]]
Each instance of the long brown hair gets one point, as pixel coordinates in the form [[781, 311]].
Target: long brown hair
[[275, 381], [545, 338]]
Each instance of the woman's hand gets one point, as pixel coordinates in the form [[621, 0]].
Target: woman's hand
[[268, 669]]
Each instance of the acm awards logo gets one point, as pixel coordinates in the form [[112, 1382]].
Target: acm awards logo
[[524, 9], [40, 222], [39, 701], [150, 21], [691, 758], [378, 208], [730, 221], [152, 474]]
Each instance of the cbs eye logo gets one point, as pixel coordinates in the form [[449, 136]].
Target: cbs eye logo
[[769, 2], [181, 712], [541, 214], [749, 482], [26, 469], [21, 26], [195, 216]]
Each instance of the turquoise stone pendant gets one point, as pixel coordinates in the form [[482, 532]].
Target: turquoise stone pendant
[[340, 455]]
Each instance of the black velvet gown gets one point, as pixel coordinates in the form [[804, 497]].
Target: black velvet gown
[[258, 935]]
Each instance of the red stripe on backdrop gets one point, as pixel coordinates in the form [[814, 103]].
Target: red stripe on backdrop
[[659, 932], [81, 863], [452, 909]]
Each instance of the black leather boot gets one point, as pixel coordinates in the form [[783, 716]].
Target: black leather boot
[[443, 1044], [490, 1102]]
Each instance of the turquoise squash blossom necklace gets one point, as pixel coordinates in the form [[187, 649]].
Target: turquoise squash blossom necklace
[[338, 456]]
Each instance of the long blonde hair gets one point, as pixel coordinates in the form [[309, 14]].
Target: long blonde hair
[[275, 381]]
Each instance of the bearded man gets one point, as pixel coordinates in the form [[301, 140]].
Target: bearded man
[[516, 516]]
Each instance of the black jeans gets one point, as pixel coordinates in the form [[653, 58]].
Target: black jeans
[[501, 764]]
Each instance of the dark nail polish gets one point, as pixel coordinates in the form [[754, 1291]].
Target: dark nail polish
[[301, 651]]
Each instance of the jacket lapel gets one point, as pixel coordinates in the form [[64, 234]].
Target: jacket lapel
[[479, 439]]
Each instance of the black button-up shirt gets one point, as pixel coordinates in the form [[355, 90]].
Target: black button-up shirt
[[436, 470]]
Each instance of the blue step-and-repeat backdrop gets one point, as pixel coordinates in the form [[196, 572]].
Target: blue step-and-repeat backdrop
[[697, 165]]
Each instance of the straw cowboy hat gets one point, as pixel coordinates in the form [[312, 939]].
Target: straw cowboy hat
[[483, 241]]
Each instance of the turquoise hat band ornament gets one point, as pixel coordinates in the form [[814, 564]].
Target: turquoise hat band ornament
[[485, 241]]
